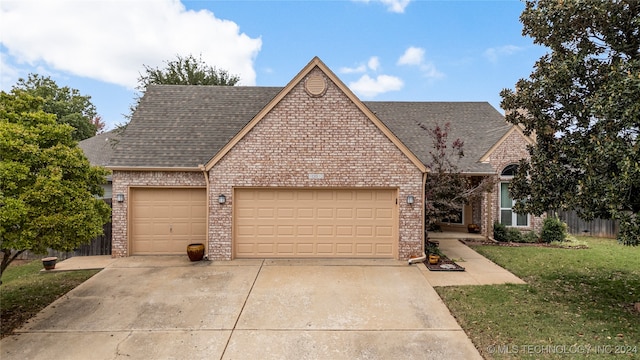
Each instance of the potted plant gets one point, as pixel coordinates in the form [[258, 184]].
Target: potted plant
[[433, 252], [473, 228]]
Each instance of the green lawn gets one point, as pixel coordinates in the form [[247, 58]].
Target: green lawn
[[577, 303], [25, 291]]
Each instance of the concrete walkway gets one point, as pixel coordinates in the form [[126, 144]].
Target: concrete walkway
[[478, 269], [82, 263]]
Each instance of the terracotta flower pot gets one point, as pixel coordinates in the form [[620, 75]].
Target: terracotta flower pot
[[433, 259], [49, 263], [195, 251]]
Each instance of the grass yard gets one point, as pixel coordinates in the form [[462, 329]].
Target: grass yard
[[25, 291], [576, 304]]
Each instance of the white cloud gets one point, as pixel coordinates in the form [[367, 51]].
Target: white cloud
[[111, 40], [414, 56], [396, 6], [354, 70], [9, 74], [492, 54], [370, 87], [374, 63]]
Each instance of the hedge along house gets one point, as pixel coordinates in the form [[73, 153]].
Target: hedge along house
[[303, 171]]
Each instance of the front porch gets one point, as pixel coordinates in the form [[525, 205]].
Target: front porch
[[454, 235]]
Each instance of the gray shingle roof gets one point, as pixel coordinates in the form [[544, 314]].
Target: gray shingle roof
[[184, 126], [478, 124], [99, 149]]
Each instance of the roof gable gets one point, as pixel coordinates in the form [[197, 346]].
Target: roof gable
[[317, 63], [514, 128]]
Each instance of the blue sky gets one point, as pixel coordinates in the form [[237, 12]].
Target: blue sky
[[397, 50]]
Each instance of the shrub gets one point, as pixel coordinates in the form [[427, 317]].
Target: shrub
[[553, 229], [530, 237], [514, 235], [499, 232]]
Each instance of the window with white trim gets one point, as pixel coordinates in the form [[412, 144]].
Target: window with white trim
[[507, 216]]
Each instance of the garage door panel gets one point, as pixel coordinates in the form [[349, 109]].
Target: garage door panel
[[384, 231], [325, 195], [384, 249], [304, 248], [325, 213], [344, 249], [344, 214], [164, 221], [305, 213], [384, 213], [286, 213], [245, 213], [315, 223], [266, 213], [344, 231]]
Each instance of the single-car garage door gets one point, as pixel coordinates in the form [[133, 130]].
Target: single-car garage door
[[165, 221], [295, 223]]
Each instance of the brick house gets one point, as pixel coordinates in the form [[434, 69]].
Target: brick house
[[301, 171]]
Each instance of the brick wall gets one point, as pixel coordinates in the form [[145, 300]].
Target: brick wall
[[124, 180], [305, 135], [510, 151]]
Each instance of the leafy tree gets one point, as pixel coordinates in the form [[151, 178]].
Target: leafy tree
[[47, 186], [99, 124], [447, 189], [582, 102], [66, 103], [187, 70]]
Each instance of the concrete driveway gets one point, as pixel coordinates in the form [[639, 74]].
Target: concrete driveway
[[169, 308]]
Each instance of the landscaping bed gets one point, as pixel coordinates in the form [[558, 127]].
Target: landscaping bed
[[565, 245]]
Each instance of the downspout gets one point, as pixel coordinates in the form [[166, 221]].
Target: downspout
[[424, 254], [206, 180]]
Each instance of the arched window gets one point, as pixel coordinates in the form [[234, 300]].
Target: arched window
[[507, 216], [510, 170]]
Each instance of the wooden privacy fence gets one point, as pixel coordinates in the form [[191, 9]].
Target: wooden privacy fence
[[596, 227]]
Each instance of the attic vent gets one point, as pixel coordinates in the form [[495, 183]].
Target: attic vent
[[315, 85]]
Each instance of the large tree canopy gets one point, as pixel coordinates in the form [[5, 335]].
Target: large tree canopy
[[582, 103], [48, 188], [69, 106], [186, 71]]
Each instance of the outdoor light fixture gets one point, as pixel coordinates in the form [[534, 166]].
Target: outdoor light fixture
[[222, 199], [120, 197], [411, 199]]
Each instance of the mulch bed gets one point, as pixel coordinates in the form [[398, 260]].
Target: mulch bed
[[511, 244], [445, 264]]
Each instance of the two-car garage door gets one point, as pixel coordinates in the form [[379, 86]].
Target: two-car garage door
[[297, 223]]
